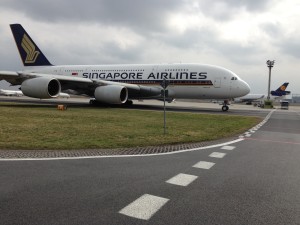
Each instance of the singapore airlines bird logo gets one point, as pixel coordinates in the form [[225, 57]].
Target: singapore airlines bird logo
[[29, 48]]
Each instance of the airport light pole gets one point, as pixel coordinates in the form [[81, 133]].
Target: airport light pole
[[270, 64], [165, 83]]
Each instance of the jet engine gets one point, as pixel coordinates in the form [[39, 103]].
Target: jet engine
[[111, 94], [41, 87]]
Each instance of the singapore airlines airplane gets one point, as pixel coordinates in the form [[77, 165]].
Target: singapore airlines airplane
[[120, 84]]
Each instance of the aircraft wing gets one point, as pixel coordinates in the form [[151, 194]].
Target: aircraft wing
[[58, 77], [106, 82], [82, 85], [134, 90], [79, 84], [10, 76]]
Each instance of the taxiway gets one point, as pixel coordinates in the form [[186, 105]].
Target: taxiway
[[251, 181]]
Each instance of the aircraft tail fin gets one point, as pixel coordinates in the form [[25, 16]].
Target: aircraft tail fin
[[30, 53], [281, 90], [283, 87]]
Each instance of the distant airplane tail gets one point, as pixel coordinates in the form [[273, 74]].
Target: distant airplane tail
[[30, 53], [281, 90]]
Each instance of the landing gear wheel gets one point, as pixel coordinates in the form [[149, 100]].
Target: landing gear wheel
[[92, 102], [225, 108], [129, 102]]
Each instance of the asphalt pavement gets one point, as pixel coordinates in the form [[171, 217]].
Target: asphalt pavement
[[254, 180]]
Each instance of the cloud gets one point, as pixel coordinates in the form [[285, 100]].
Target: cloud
[[249, 5], [224, 10], [240, 35], [290, 47], [138, 15]]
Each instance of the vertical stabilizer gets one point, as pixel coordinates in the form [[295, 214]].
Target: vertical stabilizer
[[281, 90], [283, 87], [30, 53]]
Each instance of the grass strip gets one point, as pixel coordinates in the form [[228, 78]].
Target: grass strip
[[40, 127]]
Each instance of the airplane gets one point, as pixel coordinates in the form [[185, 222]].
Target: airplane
[[120, 83], [20, 93], [275, 95], [249, 98], [10, 93], [63, 95], [281, 90]]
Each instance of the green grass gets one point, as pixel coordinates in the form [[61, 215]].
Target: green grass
[[41, 127]]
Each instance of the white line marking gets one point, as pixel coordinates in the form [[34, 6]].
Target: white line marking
[[144, 207], [228, 147], [182, 179], [123, 156], [217, 155], [204, 165], [248, 135]]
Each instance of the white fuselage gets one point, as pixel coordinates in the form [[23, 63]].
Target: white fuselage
[[190, 81]]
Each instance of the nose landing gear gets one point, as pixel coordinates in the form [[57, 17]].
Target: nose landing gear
[[225, 106]]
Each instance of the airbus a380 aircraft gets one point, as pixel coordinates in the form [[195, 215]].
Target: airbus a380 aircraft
[[119, 84]]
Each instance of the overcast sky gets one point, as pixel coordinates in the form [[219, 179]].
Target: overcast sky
[[240, 35]]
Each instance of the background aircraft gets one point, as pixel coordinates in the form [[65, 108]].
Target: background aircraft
[[249, 98], [20, 93], [119, 84], [10, 93], [279, 94], [281, 90]]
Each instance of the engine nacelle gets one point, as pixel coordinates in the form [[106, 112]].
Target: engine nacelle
[[111, 94], [41, 87]]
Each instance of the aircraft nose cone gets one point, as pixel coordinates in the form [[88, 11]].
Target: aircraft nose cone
[[246, 88], [242, 88]]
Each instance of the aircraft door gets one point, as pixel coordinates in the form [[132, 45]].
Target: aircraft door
[[217, 82]]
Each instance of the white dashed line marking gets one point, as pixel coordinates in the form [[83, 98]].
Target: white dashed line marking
[[217, 155], [182, 179], [144, 207], [204, 165], [227, 147]]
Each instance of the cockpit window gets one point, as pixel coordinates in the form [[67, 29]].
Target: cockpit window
[[233, 78]]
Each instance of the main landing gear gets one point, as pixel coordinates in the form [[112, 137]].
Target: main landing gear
[[225, 106], [94, 102]]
